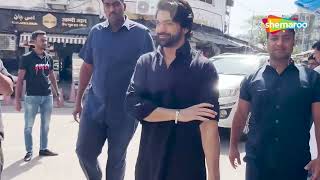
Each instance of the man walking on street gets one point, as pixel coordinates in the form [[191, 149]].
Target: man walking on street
[[173, 93], [110, 54], [36, 67], [6, 89], [283, 98]]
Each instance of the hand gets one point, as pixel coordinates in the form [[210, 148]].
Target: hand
[[77, 113], [59, 101], [201, 112], [314, 167], [18, 105], [216, 177], [234, 156]]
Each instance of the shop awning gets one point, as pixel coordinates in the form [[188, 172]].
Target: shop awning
[[54, 38], [311, 5], [220, 40]]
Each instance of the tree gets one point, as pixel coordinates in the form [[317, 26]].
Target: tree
[[256, 35]]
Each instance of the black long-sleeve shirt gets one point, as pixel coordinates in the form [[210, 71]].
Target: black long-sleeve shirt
[[170, 151]]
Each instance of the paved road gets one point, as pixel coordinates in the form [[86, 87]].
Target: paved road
[[62, 138]]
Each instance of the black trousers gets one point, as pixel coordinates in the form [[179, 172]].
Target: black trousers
[[258, 171]]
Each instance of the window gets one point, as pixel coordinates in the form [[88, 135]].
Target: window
[[238, 65], [209, 2]]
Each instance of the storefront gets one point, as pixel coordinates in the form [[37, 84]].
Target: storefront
[[67, 32]]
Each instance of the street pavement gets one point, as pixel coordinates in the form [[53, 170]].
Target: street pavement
[[62, 139]]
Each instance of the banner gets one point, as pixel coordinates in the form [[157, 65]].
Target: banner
[[50, 22]]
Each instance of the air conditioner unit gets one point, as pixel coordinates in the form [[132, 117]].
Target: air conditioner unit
[[58, 2], [8, 42], [146, 7], [230, 3]]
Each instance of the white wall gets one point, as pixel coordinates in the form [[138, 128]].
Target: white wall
[[206, 14], [21, 3]]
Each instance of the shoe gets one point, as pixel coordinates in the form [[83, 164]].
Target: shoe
[[47, 152], [28, 157]]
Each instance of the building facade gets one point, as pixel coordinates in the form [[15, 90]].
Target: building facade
[[305, 38], [68, 22]]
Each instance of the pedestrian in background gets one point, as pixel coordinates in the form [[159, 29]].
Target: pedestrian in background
[[36, 67]]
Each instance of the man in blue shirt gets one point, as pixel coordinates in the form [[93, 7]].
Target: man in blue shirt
[[110, 54]]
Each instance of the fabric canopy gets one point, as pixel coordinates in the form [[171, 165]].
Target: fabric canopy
[[311, 5]]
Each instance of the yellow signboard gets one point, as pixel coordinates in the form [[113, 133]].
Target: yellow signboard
[[49, 21]]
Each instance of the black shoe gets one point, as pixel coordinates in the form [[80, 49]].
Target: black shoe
[[47, 152], [28, 157]]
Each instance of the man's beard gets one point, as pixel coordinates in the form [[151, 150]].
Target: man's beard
[[171, 40]]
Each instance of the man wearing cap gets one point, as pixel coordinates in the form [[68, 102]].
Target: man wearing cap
[[110, 54]]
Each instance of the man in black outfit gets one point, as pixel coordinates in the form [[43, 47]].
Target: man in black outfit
[[173, 93]]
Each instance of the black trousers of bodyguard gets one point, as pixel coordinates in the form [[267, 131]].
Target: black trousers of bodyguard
[[256, 171]]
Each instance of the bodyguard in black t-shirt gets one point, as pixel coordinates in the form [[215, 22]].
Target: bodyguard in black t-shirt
[[36, 67]]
